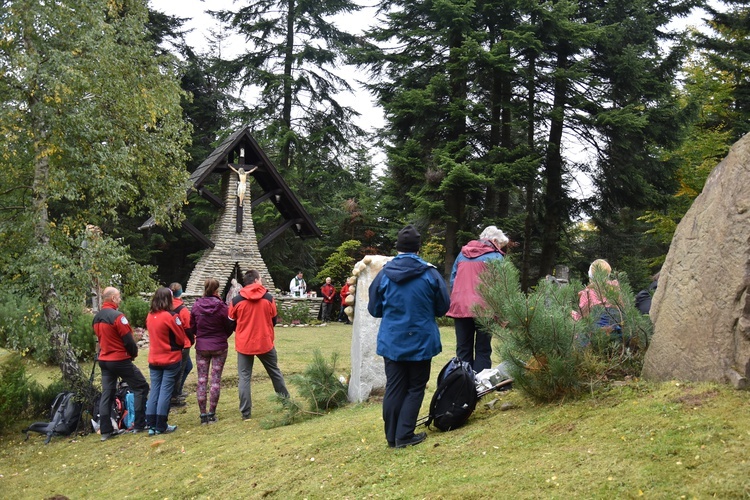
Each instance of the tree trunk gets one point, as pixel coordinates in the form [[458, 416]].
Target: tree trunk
[[529, 222], [285, 159], [553, 171], [64, 355]]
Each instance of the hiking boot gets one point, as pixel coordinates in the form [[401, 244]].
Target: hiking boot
[[177, 402], [416, 439], [211, 418], [112, 434], [204, 418], [169, 429], [137, 430]]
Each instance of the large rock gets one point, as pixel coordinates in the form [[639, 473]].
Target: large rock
[[368, 370], [701, 309]]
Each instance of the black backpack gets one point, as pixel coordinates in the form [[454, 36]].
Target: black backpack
[[455, 397], [65, 416]]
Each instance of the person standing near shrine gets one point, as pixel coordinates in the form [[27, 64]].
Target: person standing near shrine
[[254, 312], [179, 307], [473, 343], [329, 292], [343, 318], [297, 286], [408, 293], [117, 350], [167, 338]]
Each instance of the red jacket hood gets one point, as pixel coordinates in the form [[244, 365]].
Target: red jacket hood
[[256, 291], [476, 248]]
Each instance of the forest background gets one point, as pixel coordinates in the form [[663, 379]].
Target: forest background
[[106, 110]]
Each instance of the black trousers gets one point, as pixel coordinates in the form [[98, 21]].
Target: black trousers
[[127, 371], [473, 345], [405, 383]]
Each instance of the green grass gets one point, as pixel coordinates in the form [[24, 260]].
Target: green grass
[[671, 440]]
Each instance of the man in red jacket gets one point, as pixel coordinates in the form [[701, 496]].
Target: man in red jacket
[[117, 350], [328, 291], [254, 312]]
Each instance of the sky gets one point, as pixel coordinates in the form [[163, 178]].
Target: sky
[[200, 23]]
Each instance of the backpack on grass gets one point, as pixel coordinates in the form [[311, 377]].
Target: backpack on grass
[[455, 397], [65, 415]]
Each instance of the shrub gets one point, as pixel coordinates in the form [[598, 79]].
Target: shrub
[[551, 355], [22, 327], [320, 385], [297, 314], [14, 390], [82, 337], [136, 310]]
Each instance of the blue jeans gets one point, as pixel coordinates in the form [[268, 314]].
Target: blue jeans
[[163, 379]]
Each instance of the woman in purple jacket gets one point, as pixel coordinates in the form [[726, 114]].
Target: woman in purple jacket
[[209, 318]]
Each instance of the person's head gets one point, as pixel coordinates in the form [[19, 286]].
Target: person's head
[[409, 240], [496, 236], [176, 290], [112, 294], [210, 287], [599, 266], [162, 300], [328, 281], [299, 274], [251, 277]]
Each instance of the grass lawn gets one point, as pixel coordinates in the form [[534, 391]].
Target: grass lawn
[[670, 440]]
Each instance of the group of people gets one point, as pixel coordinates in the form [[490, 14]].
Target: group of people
[[298, 288], [410, 293], [251, 315]]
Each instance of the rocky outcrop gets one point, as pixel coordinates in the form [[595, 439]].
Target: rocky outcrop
[[701, 308]]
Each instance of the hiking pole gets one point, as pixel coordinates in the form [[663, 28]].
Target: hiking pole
[[495, 388]]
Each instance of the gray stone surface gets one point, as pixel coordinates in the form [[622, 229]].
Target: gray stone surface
[[368, 372], [231, 247], [701, 308]]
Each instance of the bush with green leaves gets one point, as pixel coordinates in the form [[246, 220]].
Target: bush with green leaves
[[22, 397], [550, 355], [299, 313], [339, 265], [136, 310], [22, 326], [82, 337], [319, 385]]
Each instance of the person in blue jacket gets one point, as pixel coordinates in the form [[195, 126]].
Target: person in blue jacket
[[408, 293]]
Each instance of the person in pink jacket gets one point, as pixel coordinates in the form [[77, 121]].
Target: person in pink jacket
[[473, 344]]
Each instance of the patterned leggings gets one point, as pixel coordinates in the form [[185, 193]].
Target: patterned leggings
[[203, 360]]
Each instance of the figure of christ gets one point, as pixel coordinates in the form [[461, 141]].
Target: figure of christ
[[242, 181]]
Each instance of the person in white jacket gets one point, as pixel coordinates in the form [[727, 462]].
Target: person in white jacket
[[297, 286]]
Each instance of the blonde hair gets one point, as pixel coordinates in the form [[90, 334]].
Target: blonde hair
[[601, 265]]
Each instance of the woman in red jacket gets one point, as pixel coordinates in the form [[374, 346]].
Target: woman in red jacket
[[167, 338]]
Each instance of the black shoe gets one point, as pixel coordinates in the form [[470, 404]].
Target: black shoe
[[138, 430], [204, 418], [391, 444], [416, 439], [177, 403], [211, 418]]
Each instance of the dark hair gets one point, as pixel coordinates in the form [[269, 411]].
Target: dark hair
[[250, 277], [210, 286], [162, 300]]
